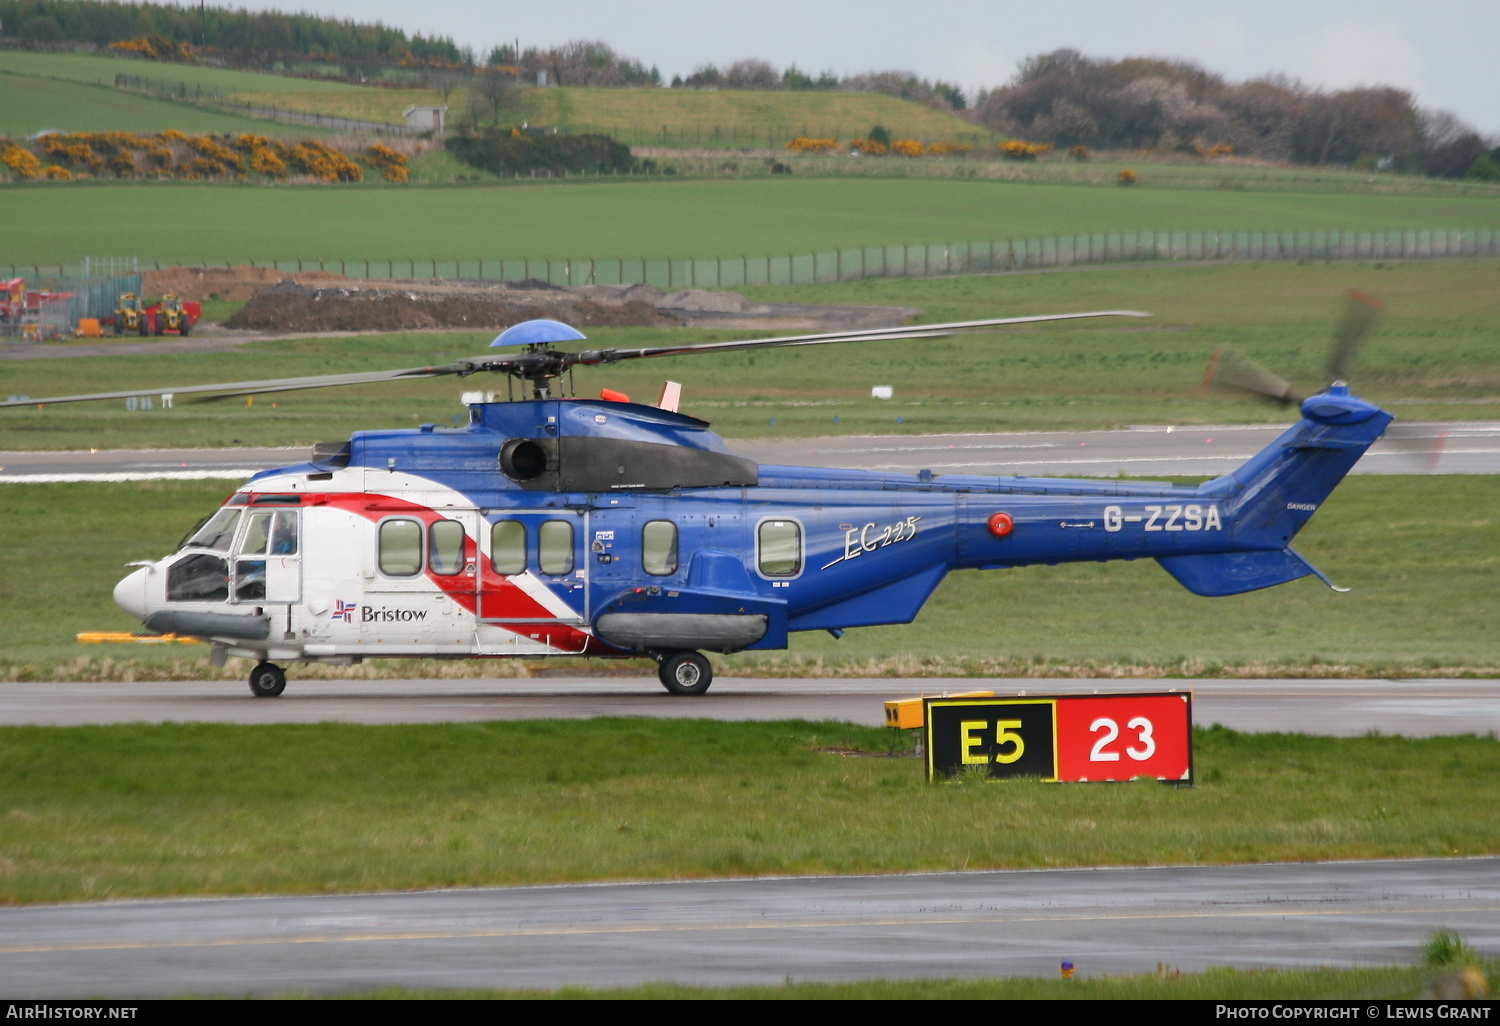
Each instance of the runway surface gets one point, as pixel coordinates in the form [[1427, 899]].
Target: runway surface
[[1107, 921], [1413, 708], [723, 932], [1446, 448]]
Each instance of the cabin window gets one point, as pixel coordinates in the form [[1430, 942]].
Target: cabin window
[[508, 547], [779, 548], [217, 533], [400, 548], [445, 547], [198, 578], [659, 547], [555, 547]]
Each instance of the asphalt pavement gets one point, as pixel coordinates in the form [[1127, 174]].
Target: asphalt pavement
[[758, 931]]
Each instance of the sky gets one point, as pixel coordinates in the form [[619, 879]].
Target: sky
[[1447, 52]]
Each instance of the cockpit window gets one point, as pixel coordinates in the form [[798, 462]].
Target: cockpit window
[[198, 578], [257, 534], [284, 540], [217, 533]]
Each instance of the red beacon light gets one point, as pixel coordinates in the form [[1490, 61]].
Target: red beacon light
[[1001, 524]]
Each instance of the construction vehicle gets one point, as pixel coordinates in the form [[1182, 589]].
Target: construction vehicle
[[12, 302], [168, 315], [171, 314], [130, 315]]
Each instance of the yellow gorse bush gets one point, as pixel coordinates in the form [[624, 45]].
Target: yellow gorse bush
[[804, 144], [176, 154], [22, 163], [1019, 149], [392, 165]]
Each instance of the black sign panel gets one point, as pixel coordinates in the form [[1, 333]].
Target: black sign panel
[[1010, 738]]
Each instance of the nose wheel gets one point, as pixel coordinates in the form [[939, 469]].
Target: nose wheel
[[685, 673], [267, 680]]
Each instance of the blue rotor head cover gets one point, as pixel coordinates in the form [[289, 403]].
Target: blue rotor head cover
[[538, 332]]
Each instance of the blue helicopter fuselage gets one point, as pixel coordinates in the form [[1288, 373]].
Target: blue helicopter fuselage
[[610, 528]]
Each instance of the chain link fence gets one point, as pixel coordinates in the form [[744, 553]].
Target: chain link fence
[[53, 304], [919, 260], [922, 259]]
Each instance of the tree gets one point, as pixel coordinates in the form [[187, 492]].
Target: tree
[[492, 95], [1454, 159], [751, 74]]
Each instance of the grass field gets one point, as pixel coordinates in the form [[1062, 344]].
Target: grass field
[[1167, 985], [102, 71], [1431, 358], [1422, 555], [144, 810], [174, 222], [732, 117], [660, 116], [29, 104]]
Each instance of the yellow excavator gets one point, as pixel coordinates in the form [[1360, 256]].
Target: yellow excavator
[[129, 315]]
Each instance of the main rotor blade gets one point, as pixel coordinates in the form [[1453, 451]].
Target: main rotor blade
[[1235, 370], [866, 335], [1361, 311], [548, 363], [233, 388]]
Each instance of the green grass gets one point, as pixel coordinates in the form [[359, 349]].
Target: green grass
[[1394, 983], [29, 104], [1422, 555], [145, 810], [172, 222], [730, 117], [102, 71], [1431, 357]]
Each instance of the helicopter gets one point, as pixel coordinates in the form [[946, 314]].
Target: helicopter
[[556, 525]]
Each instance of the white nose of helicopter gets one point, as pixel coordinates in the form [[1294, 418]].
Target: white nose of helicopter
[[130, 594]]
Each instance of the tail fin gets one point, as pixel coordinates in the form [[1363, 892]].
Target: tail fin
[[1272, 495]]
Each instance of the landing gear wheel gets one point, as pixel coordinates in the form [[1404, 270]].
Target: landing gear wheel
[[685, 673], [267, 680]]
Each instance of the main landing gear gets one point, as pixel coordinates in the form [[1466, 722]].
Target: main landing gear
[[684, 673], [268, 680]]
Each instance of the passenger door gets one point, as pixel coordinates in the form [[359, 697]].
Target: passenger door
[[536, 569]]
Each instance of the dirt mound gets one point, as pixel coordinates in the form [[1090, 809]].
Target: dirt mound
[[290, 306], [235, 284]]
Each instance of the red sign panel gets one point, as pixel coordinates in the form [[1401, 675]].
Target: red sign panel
[[1121, 737]]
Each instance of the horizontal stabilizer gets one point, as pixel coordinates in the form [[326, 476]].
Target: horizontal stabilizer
[[1231, 573]]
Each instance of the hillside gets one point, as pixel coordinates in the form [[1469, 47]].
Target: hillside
[[692, 117], [43, 91]]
